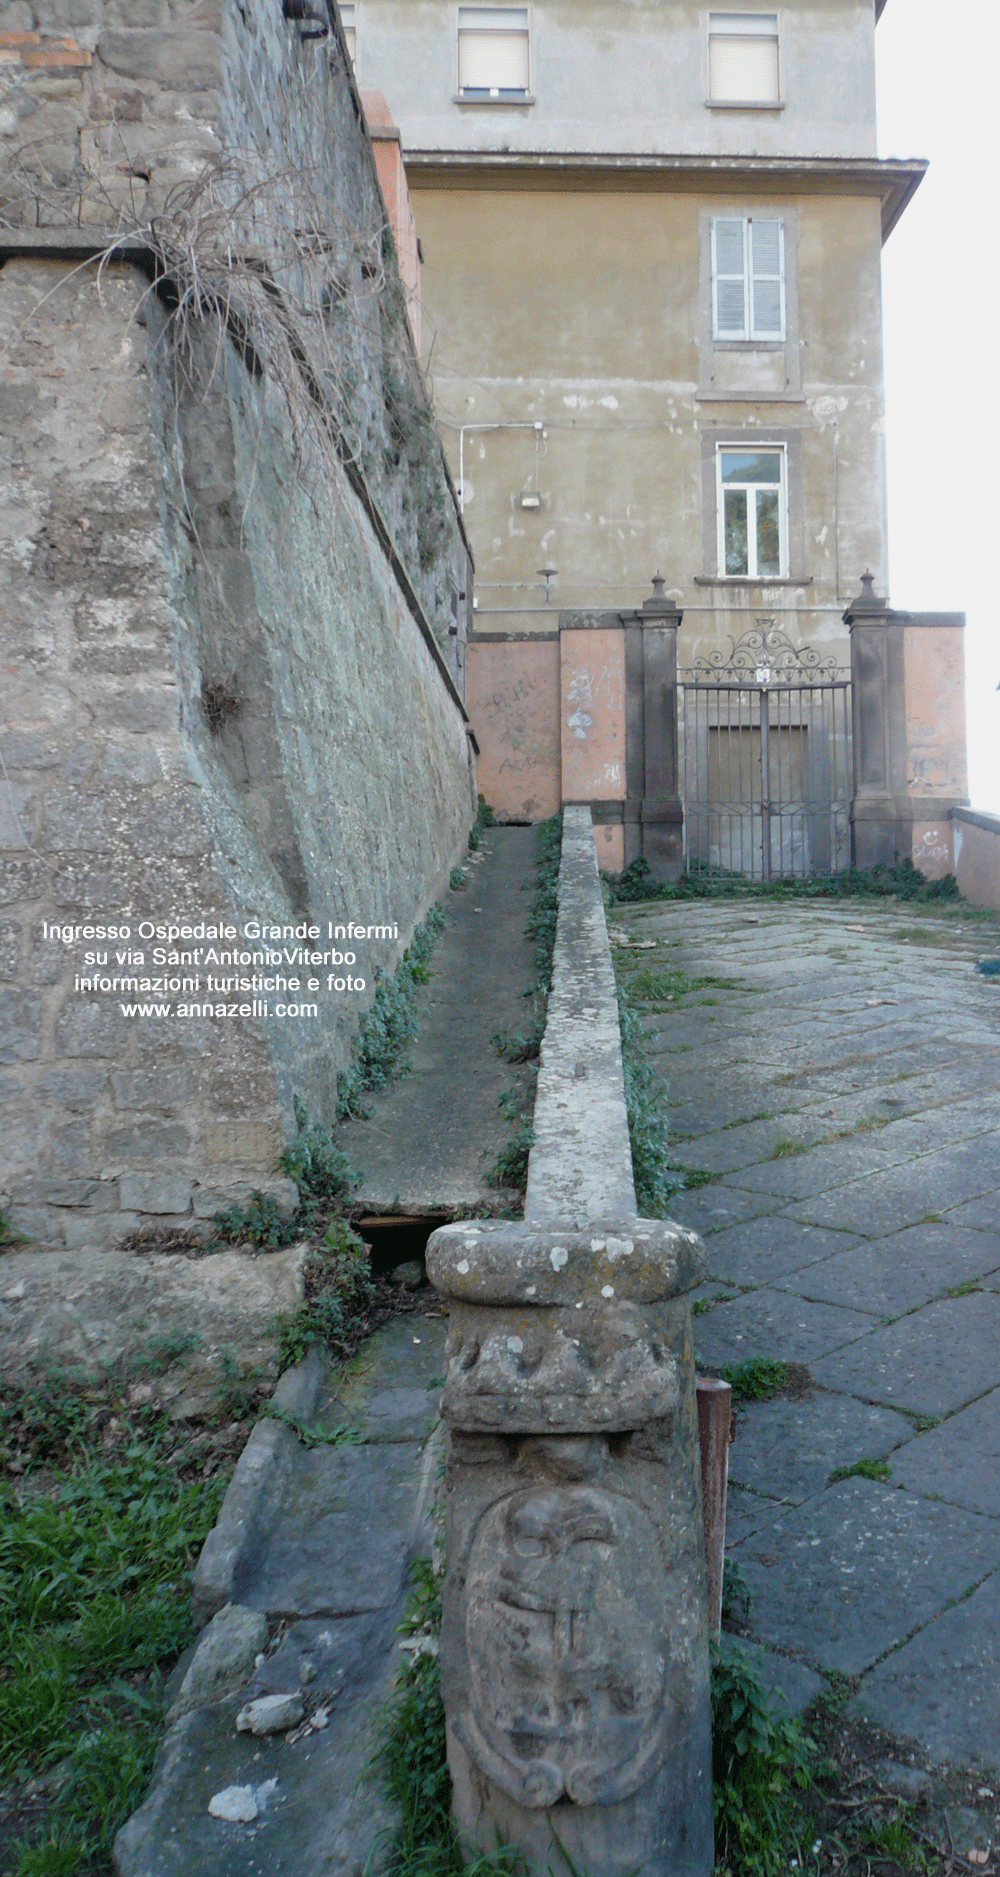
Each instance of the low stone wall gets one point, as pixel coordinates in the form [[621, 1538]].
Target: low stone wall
[[976, 840], [574, 1645]]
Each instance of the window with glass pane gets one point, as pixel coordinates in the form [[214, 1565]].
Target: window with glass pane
[[748, 277], [743, 58], [349, 21], [752, 513], [493, 51]]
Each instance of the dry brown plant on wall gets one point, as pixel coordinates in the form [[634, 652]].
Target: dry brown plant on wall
[[312, 304]]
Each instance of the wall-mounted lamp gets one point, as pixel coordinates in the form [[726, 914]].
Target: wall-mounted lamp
[[547, 574], [530, 498]]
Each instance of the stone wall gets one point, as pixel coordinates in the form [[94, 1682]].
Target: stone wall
[[977, 856], [231, 563]]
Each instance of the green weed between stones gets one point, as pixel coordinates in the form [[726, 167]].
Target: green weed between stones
[[756, 1379], [761, 1765], [509, 1172], [902, 881], [389, 1025], [862, 1469], [104, 1506], [485, 818]]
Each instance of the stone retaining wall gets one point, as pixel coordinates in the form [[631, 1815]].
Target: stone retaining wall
[[231, 563]]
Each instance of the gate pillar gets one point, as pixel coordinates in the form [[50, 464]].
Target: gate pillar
[[654, 816], [909, 732]]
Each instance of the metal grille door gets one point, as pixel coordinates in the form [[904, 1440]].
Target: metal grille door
[[766, 760]]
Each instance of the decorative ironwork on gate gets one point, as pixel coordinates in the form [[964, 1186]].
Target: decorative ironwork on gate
[[766, 759]]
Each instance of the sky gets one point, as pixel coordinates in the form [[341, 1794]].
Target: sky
[[937, 97]]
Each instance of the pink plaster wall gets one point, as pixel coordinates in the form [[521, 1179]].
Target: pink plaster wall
[[391, 173], [592, 688], [609, 840], [934, 666], [977, 862], [513, 701]]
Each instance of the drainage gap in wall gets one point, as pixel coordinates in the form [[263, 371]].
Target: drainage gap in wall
[[397, 1238]]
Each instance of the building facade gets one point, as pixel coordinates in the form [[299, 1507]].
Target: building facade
[[651, 233]]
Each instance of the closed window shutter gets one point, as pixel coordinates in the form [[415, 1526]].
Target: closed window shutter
[[767, 311], [493, 49], [729, 278], [743, 71]]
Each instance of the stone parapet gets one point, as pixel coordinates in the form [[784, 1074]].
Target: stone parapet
[[574, 1650]]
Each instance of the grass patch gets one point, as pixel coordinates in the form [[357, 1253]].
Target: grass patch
[[485, 818], [963, 1290], [104, 1507], [862, 1469], [759, 1378], [784, 1150], [762, 1764]]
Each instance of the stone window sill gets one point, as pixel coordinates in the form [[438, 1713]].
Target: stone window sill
[[515, 99], [740, 581], [744, 104]]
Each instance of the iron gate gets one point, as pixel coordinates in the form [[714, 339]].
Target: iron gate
[[766, 759]]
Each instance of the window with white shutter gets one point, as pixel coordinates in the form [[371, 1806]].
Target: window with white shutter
[[493, 51], [743, 58], [748, 278]]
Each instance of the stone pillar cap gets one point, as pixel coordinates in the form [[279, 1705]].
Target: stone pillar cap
[[632, 1260]]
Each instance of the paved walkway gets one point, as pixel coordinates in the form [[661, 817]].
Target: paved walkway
[[843, 1090], [433, 1137], [322, 1539]]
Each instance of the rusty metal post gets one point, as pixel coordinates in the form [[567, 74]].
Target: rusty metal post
[[715, 1400]]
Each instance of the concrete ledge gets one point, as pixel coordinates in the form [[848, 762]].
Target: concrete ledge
[[255, 1488], [580, 1168]]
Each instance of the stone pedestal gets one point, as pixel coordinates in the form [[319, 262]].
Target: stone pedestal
[[574, 1658]]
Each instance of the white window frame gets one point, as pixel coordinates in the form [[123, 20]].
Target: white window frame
[[349, 22], [750, 446], [751, 333], [717, 30], [494, 94]]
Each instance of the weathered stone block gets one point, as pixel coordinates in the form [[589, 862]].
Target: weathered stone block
[[223, 1660], [91, 1029], [20, 1027], [147, 1140], [191, 59], [156, 1192]]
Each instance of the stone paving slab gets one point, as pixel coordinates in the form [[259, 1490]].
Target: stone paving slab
[[331, 1573], [943, 1687], [854, 1570], [896, 1274], [434, 1135], [882, 1202], [800, 1443], [983, 1213], [712, 1209], [960, 1460], [749, 1512], [852, 1022], [797, 1176], [775, 1323], [931, 1362], [768, 1249]]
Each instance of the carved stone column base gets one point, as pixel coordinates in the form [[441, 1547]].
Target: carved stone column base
[[574, 1646]]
